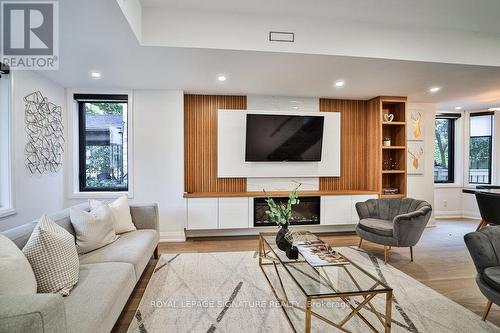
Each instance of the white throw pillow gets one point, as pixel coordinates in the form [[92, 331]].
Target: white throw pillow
[[93, 229], [121, 212], [52, 254], [16, 274]]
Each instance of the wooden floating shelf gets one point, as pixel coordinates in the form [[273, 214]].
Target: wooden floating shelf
[[393, 147], [393, 123], [393, 171], [274, 194], [392, 195]]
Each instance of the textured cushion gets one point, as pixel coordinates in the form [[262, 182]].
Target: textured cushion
[[133, 247], [52, 254], [93, 229], [491, 276], [121, 212], [16, 274], [377, 226], [99, 297]]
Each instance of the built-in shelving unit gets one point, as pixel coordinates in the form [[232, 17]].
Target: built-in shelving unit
[[394, 156], [227, 203]]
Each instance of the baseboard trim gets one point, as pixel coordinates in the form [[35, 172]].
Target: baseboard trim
[[172, 236], [449, 214], [470, 214], [457, 214]]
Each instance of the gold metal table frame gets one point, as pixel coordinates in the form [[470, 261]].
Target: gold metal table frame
[[268, 256]]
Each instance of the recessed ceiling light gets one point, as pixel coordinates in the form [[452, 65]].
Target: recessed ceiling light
[[494, 109], [458, 108], [221, 78], [434, 89], [95, 75], [295, 107], [339, 83]]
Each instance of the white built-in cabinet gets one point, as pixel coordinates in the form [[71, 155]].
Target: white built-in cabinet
[[237, 212], [202, 213], [233, 213], [336, 209], [341, 209]]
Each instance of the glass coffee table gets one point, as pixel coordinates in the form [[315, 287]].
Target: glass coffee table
[[347, 283]]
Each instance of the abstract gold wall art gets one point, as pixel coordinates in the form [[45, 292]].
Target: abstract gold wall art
[[416, 156], [415, 128]]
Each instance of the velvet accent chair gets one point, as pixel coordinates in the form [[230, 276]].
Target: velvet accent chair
[[484, 248], [392, 222], [489, 208]]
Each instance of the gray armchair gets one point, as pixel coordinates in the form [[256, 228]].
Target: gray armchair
[[484, 248], [392, 222]]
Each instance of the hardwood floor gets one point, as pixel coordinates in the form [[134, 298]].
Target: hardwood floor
[[442, 262]]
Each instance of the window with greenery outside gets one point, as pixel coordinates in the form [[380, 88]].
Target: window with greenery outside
[[105, 139], [480, 149], [443, 151]]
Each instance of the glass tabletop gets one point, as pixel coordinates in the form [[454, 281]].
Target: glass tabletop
[[338, 279]]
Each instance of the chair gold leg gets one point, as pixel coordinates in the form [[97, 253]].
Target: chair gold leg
[[386, 254], [156, 254], [487, 310], [360, 241], [481, 224], [411, 253]]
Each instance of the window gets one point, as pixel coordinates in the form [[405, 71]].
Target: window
[[103, 146], [480, 148], [6, 204], [444, 148]]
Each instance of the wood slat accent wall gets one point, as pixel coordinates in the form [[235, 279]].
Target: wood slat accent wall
[[358, 158], [374, 135], [200, 144]]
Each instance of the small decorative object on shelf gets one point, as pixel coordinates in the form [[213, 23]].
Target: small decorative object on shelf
[[390, 164], [386, 142], [280, 214], [388, 117], [390, 191]]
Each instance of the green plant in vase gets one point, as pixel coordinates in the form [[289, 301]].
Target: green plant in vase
[[280, 214]]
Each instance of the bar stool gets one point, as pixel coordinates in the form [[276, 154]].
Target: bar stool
[[489, 208]]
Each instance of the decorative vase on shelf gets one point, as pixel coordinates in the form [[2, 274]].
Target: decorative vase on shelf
[[281, 213], [281, 241]]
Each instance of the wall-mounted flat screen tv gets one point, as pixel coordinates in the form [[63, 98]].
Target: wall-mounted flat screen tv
[[283, 138]]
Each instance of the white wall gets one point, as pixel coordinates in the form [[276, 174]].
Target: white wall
[[163, 26], [159, 157], [422, 186], [157, 150], [38, 194]]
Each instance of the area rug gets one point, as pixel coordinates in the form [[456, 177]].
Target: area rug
[[227, 292]]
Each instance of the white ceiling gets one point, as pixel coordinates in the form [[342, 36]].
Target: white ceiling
[[466, 15], [94, 35]]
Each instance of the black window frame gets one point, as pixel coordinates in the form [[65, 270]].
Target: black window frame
[[490, 146], [81, 99], [452, 118]]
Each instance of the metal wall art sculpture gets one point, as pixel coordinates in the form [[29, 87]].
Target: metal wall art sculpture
[[44, 149]]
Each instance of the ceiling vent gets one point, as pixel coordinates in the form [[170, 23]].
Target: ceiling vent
[[280, 36]]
